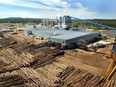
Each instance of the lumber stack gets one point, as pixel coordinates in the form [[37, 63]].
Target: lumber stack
[[73, 77]]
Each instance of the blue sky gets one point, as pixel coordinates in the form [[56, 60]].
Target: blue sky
[[52, 8]]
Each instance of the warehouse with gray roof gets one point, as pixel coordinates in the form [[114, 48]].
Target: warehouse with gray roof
[[65, 37]]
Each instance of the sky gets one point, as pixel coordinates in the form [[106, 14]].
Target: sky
[[86, 9]]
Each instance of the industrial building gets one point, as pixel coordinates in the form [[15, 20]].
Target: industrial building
[[64, 21], [30, 25], [65, 37], [59, 22], [49, 22]]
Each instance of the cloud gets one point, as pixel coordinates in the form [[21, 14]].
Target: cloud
[[30, 4], [51, 8], [79, 4]]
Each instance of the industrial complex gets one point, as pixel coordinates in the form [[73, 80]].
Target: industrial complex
[[59, 22], [54, 53]]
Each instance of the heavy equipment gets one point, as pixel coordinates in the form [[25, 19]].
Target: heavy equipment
[[112, 67], [111, 70]]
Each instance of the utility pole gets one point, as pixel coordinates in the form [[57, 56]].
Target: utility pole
[[91, 26], [81, 24]]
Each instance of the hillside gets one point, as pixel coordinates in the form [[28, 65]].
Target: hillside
[[20, 20]]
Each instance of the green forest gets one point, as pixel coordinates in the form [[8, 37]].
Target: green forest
[[20, 20], [75, 23], [108, 22]]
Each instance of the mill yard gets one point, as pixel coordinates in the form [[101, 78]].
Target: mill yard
[[31, 62], [59, 52]]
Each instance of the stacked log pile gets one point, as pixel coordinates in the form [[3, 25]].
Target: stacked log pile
[[20, 78], [17, 56], [24, 66], [1, 35], [8, 81], [49, 73], [55, 75], [73, 77], [27, 77], [5, 42], [13, 60]]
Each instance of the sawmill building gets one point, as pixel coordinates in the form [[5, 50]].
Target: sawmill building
[[65, 37]]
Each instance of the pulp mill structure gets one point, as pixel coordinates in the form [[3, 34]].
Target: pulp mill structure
[[61, 32]]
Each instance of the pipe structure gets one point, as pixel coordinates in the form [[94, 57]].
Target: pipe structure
[[91, 22]]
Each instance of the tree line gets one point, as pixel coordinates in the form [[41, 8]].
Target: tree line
[[108, 22], [20, 20]]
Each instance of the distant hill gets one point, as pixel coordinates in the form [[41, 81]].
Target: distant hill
[[109, 22], [19, 20]]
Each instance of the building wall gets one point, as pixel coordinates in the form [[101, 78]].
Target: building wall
[[69, 42], [63, 42], [67, 20], [87, 38], [30, 25], [64, 21], [49, 22]]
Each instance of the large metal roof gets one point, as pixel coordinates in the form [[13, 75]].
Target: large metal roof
[[60, 33]]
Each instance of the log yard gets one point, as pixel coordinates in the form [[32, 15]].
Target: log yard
[[49, 57], [57, 43]]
